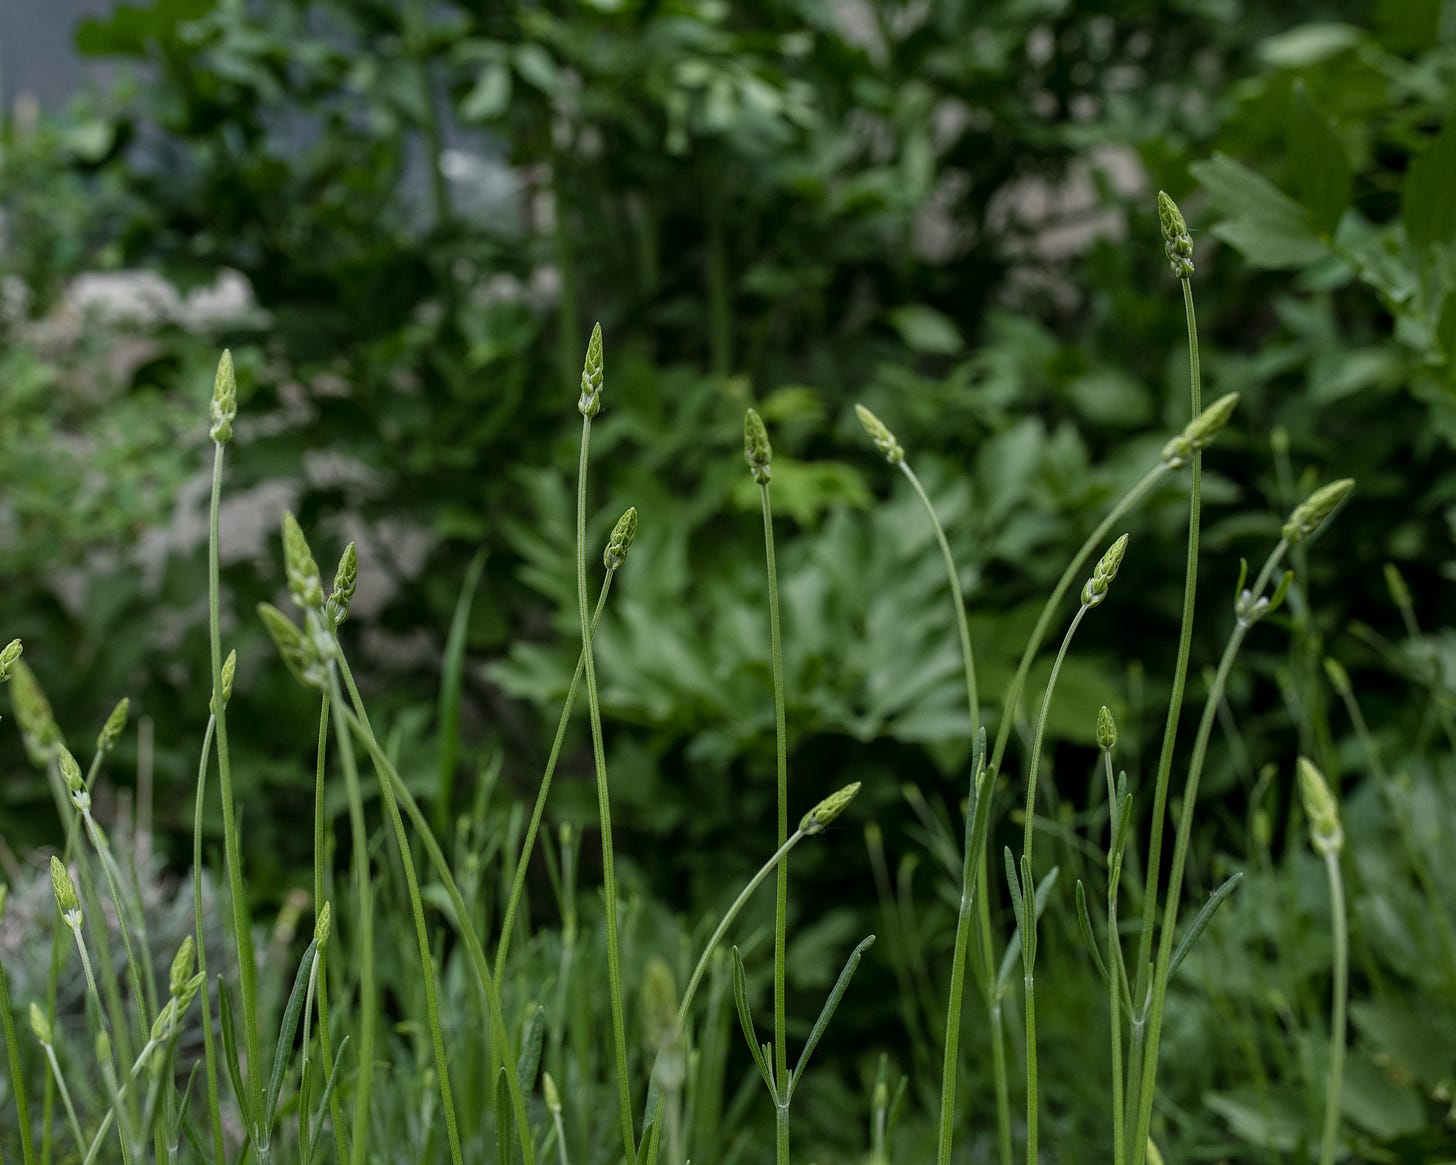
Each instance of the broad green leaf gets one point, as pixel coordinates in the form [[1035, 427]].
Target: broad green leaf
[[1426, 206], [1265, 1119], [1267, 227], [1318, 165], [926, 330]]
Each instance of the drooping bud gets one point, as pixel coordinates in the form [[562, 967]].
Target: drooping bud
[[1320, 807], [346, 581], [1311, 513], [1095, 589], [224, 407], [297, 649], [880, 434], [1177, 242], [623, 534], [819, 818], [591, 375], [1200, 432], [304, 582], [1106, 729], [756, 449], [115, 725]]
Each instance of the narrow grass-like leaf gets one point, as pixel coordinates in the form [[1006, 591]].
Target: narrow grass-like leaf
[[1119, 837], [1084, 924], [503, 1117], [292, 1010], [17, 1081], [530, 1058], [825, 1015], [1013, 948], [328, 1095], [452, 674], [745, 1020], [1201, 920], [230, 1049], [1013, 880]]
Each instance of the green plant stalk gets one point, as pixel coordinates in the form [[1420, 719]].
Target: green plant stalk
[[781, 899], [232, 851], [1336, 1072], [143, 992], [417, 909], [320, 855], [518, 882], [500, 1048], [449, 704], [17, 1080], [65, 1092], [1028, 935], [1147, 1077], [1180, 666], [1116, 974], [609, 874]]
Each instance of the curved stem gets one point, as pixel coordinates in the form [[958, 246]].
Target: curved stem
[[214, 1100], [1335, 1075]]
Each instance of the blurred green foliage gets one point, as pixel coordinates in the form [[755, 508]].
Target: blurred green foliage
[[790, 204]]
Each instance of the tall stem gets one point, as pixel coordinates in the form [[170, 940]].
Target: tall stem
[[1180, 666], [1336, 1071], [609, 874], [781, 902]]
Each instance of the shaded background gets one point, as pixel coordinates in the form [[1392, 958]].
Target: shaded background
[[403, 220]]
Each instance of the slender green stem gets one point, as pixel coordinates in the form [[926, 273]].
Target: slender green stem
[[604, 808], [17, 1080], [321, 854], [500, 1049], [781, 900], [422, 934], [1180, 666], [1336, 1072], [998, 1067], [232, 852], [214, 1100], [952, 575], [1033, 645], [65, 1092], [1114, 971], [518, 883], [1147, 1077]]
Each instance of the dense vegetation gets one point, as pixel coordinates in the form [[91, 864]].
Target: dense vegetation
[[946, 213]]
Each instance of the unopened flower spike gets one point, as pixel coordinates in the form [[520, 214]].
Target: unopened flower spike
[[65, 891], [1106, 729], [1337, 675], [1200, 432], [550, 1094], [181, 969], [39, 1024], [756, 449], [224, 407], [33, 711], [1095, 589], [323, 924], [346, 581], [115, 725], [229, 673], [1311, 513], [70, 771], [8, 657], [1394, 582], [880, 434], [304, 582], [1177, 242], [1321, 809], [591, 375], [297, 650], [623, 535], [819, 818]]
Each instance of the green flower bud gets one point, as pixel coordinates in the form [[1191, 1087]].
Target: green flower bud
[[1095, 589], [304, 583], [1320, 808], [70, 771], [1311, 513], [1177, 242], [33, 711], [819, 818], [323, 925], [39, 1024], [103, 1047], [346, 580], [1395, 583], [880, 434], [297, 649], [553, 1097], [1200, 431], [659, 1002], [181, 969], [1337, 675], [756, 449], [224, 400], [162, 1025], [65, 891], [8, 655], [623, 535], [115, 725], [592, 376], [228, 673], [1106, 729]]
